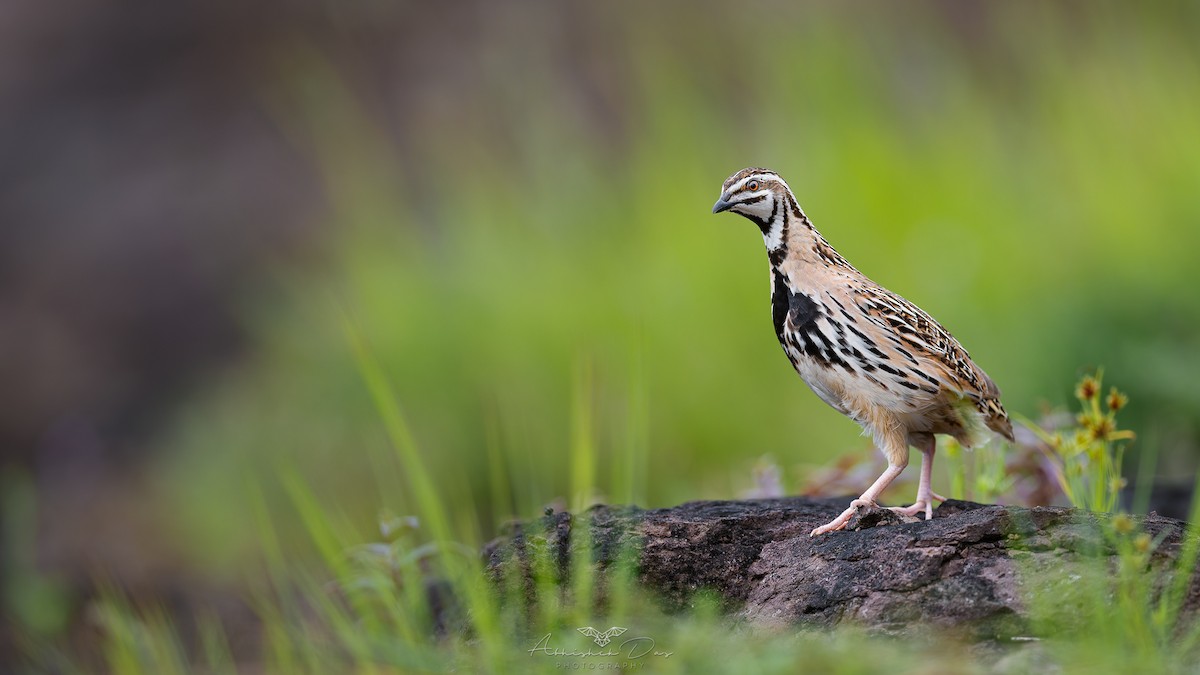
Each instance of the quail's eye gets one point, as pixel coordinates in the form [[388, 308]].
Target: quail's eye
[[752, 185]]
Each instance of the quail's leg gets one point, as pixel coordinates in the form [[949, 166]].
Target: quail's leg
[[867, 498], [925, 494]]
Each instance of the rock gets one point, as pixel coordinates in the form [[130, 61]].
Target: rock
[[969, 570]]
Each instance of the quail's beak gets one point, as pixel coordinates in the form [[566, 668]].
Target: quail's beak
[[721, 205]]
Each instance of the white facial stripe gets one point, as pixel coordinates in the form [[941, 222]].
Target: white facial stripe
[[773, 237], [760, 177], [741, 184]]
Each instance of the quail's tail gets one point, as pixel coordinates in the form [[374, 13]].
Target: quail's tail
[[996, 418]]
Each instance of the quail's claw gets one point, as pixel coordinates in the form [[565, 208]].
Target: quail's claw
[[920, 506], [839, 523]]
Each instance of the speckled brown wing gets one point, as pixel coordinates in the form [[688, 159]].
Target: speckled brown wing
[[936, 353]]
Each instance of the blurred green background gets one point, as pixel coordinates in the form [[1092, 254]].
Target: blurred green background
[[510, 201]]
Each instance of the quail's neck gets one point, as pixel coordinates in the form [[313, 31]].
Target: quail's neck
[[789, 235]]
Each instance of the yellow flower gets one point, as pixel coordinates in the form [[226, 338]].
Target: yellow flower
[[1087, 389], [1116, 400], [1122, 523], [1082, 440], [1102, 429], [1142, 543]]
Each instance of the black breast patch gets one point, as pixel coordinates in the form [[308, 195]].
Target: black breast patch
[[787, 304]]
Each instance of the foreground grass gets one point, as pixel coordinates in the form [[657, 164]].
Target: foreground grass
[[414, 597]]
